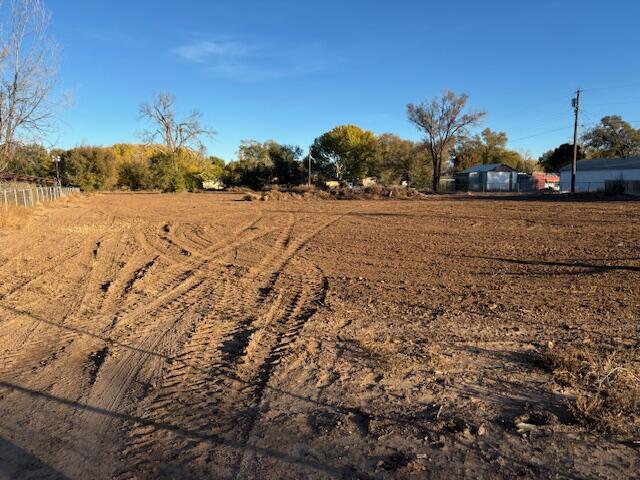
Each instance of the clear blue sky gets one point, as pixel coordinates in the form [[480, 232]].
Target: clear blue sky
[[291, 70]]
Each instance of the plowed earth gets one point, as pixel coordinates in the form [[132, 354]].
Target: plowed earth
[[196, 336]]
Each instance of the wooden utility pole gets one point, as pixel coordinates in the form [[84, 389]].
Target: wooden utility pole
[[309, 179], [574, 165]]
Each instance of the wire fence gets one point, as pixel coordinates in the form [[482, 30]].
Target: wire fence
[[29, 197]]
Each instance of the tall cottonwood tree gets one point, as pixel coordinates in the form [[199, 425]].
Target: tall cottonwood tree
[[176, 135], [612, 137], [28, 70], [442, 121]]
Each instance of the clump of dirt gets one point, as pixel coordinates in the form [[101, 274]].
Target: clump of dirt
[[96, 359], [606, 382]]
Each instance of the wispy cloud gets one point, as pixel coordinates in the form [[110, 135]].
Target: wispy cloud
[[251, 62], [201, 51]]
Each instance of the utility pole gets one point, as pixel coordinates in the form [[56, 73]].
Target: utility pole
[[56, 160], [574, 165], [309, 179]]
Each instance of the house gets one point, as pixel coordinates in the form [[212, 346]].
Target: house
[[487, 177], [592, 175]]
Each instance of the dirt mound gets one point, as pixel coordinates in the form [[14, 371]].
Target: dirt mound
[[376, 192]]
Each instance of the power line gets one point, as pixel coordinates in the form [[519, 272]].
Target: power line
[[540, 134]]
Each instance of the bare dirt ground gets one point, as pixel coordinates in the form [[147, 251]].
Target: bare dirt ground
[[195, 336]]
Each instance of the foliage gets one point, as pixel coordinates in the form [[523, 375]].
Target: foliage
[[345, 153], [553, 160], [90, 168], [260, 164], [489, 147], [612, 137], [31, 160], [442, 121], [400, 160]]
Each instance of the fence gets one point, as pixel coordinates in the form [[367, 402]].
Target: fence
[[29, 197]]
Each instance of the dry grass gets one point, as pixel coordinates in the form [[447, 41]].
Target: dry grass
[[12, 217], [607, 386]]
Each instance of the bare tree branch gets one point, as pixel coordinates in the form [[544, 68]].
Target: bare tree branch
[[28, 60], [175, 135]]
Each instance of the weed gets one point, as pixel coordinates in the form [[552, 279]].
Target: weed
[[606, 382]]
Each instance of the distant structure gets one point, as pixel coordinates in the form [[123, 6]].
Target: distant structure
[[487, 177], [593, 175], [546, 181]]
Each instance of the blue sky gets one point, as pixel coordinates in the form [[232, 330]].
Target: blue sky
[[291, 70]]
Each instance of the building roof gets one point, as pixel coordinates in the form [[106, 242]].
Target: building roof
[[618, 163], [488, 167]]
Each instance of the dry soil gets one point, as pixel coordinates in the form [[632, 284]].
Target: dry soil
[[198, 336]]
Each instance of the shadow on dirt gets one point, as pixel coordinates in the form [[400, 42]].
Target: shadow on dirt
[[589, 267], [15, 461]]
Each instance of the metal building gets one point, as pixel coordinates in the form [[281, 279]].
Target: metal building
[[487, 177], [592, 175]]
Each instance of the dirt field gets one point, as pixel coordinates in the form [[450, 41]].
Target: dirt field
[[196, 336]]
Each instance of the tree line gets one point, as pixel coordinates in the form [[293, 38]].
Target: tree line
[[172, 156]]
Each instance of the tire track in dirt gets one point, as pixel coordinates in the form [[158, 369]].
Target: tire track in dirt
[[20, 350], [217, 394]]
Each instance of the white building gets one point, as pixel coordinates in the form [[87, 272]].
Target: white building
[[592, 174]]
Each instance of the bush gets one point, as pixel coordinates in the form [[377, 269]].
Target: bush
[[90, 168]]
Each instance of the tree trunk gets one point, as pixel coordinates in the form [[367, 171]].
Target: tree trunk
[[436, 176]]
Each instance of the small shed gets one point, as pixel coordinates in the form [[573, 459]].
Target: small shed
[[592, 175], [487, 177]]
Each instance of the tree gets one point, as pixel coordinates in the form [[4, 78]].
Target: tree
[[612, 137], [287, 167], [90, 168], [260, 164], [345, 153], [175, 135], [27, 75], [402, 160], [553, 160], [490, 147], [442, 122], [32, 159]]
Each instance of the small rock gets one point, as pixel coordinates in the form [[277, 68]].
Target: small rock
[[421, 455], [482, 430]]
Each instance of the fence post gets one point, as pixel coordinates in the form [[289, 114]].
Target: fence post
[[6, 203]]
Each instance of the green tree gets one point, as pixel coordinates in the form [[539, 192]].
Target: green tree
[[490, 147], [166, 173], [287, 166], [90, 168], [345, 153], [31, 160], [401, 160], [557, 158], [612, 137], [442, 121], [263, 163]]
